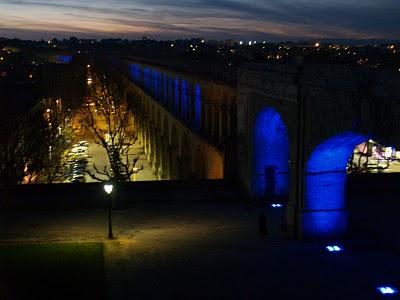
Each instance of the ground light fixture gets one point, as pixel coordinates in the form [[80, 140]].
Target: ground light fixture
[[387, 290], [334, 248], [276, 205], [108, 188]]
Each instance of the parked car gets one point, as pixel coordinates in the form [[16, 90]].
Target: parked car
[[83, 144]]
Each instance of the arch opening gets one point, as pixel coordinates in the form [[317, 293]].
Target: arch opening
[[186, 155], [270, 178], [200, 168], [325, 180], [173, 155]]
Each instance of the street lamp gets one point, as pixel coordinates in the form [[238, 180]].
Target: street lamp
[[108, 189]]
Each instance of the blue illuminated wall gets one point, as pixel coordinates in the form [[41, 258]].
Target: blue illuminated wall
[[325, 185], [197, 106], [63, 59], [175, 93], [270, 148]]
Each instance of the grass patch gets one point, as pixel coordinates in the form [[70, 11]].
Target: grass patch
[[52, 271]]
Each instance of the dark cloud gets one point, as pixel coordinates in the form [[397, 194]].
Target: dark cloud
[[214, 18]]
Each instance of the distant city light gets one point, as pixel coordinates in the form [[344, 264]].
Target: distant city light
[[88, 66], [250, 42], [317, 44], [172, 45], [387, 290], [1, 58], [241, 43], [334, 248], [202, 41]]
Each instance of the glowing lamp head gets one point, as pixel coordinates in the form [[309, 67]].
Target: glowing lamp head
[[108, 188], [387, 290]]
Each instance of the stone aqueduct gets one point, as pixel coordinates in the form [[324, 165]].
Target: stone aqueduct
[[297, 128], [185, 123], [286, 132]]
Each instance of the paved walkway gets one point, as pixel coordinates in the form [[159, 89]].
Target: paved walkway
[[209, 251]]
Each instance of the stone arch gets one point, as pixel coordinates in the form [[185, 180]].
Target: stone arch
[[173, 154], [216, 115], [270, 178], [158, 152], [146, 139], [186, 158], [165, 128], [325, 178], [158, 119], [200, 162], [152, 145], [164, 171]]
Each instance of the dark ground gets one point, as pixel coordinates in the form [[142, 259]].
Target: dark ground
[[195, 250]]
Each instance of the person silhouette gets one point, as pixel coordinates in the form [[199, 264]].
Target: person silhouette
[[262, 225]]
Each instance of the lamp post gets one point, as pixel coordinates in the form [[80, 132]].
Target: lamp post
[[108, 189]]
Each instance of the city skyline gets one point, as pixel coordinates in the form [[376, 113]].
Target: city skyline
[[219, 19]]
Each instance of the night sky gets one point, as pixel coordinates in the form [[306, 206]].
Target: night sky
[[216, 19]]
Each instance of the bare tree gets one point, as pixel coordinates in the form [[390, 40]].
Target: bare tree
[[30, 149], [109, 120]]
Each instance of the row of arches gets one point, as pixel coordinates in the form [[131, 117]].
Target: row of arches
[[174, 151], [205, 107], [324, 175]]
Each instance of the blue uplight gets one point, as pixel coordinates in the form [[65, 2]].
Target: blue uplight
[[174, 92], [197, 106], [271, 150], [63, 59], [325, 185], [334, 248], [184, 99], [276, 205], [387, 290]]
